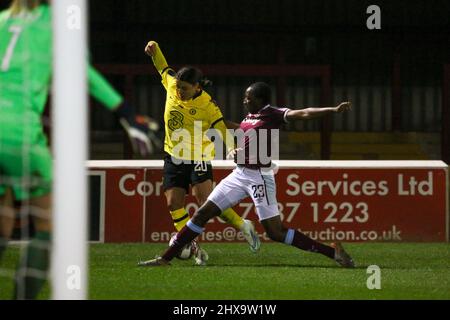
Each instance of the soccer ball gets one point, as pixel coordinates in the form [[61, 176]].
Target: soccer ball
[[185, 253]]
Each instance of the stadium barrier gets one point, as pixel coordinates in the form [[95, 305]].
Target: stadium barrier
[[352, 201]]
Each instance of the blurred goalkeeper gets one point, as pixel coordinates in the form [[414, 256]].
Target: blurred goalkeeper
[[25, 159]]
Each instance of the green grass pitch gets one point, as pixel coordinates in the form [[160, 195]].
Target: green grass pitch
[[408, 271]]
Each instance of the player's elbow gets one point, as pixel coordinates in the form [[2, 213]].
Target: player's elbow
[[298, 115], [305, 115]]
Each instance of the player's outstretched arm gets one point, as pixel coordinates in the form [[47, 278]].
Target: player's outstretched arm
[[152, 50], [311, 113], [225, 134], [102, 90]]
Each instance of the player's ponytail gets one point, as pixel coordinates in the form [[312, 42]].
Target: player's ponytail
[[205, 82], [193, 76]]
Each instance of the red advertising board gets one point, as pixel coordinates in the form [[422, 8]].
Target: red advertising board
[[123, 210], [329, 201]]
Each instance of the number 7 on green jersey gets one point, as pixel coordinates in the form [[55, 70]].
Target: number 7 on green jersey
[[15, 30]]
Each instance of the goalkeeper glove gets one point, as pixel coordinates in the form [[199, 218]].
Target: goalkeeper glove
[[141, 130]]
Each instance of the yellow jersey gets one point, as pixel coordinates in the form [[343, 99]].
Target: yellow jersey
[[186, 122]]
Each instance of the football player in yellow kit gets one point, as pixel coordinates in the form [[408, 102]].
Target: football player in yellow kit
[[191, 109]]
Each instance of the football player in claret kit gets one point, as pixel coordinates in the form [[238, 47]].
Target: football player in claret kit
[[190, 109], [25, 159], [253, 178]]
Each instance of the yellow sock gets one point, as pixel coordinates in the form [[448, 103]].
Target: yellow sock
[[231, 217], [180, 217]]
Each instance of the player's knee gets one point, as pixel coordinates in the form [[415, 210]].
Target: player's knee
[[174, 201], [201, 196], [202, 216], [206, 212], [6, 222], [275, 235], [42, 216], [43, 225]]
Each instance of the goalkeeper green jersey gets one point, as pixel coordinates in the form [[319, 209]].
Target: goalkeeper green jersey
[[25, 74]]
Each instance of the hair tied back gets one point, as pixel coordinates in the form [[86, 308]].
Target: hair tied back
[[204, 82]]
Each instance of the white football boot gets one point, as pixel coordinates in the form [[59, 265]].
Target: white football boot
[[200, 255], [250, 234]]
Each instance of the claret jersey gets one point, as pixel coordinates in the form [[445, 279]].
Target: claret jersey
[[257, 145]]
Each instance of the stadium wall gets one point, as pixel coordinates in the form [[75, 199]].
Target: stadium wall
[[334, 200], [398, 109], [421, 108]]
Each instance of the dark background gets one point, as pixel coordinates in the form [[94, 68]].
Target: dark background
[[249, 32]]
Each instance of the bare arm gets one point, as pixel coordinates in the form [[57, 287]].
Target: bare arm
[[311, 113], [225, 134], [159, 61]]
